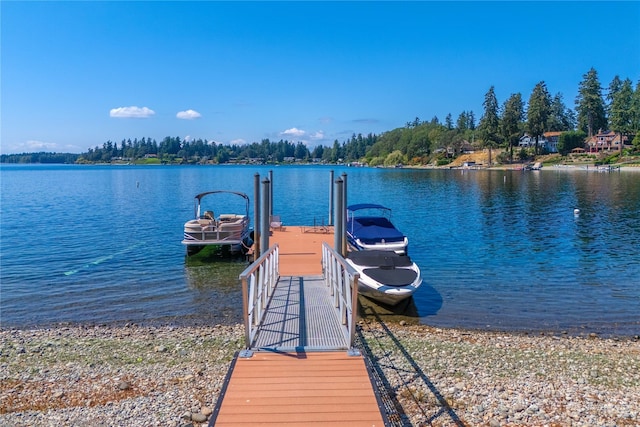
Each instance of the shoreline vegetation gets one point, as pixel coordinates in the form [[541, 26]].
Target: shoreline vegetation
[[480, 159], [135, 375]]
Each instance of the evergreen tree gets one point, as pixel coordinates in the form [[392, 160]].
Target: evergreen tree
[[635, 112], [471, 123], [512, 117], [538, 112], [561, 118], [614, 87], [448, 121], [590, 105], [621, 110], [489, 126], [461, 123]]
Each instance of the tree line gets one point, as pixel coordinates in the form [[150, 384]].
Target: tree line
[[173, 149], [502, 125], [418, 142]]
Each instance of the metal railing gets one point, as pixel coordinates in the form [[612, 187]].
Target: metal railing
[[342, 280], [258, 283]]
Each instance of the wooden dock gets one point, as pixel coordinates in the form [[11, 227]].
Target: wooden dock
[[299, 371], [301, 249], [299, 389]]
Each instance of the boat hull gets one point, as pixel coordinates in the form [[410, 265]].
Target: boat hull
[[358, 245], [385, 276]]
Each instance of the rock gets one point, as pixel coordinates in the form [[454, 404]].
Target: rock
[[123, 385], [199, 418], [206, 410], [160, 349]]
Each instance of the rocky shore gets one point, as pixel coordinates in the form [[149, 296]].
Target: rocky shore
[[171, 376]]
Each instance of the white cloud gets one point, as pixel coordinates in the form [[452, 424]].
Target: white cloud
[[39, 145], [238, 141], [294, 132], [34, 146], [131, 112], [188, 115], [317, 135]]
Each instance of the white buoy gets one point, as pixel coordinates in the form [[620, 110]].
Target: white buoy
[[576, 212]]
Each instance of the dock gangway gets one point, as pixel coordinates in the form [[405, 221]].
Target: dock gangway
[[299, 312], [299, 365]]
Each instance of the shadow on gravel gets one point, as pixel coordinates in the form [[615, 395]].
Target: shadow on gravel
[[387, 358]]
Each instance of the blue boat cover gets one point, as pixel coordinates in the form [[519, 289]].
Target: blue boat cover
[[359, 206], [373, 229]]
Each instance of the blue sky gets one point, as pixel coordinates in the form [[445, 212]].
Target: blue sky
[[77, 74]]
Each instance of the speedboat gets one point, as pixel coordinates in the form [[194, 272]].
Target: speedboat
[[369, 227], [385, 276], [226, 230]]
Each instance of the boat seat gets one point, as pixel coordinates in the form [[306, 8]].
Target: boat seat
[[276, 223], [206, 222]]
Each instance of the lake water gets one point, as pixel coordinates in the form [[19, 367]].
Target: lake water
[[498, 250]]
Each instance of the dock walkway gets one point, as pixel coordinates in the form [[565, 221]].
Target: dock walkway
[[299, 369]]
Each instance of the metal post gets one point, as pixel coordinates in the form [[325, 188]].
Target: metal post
[[270, 194], [343, 215], [257, 251], [338, 234], [264, 236], [331, 197]]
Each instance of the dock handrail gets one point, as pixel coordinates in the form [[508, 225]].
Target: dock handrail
[[258, 282], [343, 282]]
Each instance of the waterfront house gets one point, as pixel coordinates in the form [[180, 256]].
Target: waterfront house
[[604, 140], [548, 141]]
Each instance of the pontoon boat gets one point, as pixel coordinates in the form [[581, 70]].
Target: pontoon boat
[[227, 229]]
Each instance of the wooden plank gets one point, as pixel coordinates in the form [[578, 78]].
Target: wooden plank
[[322, 388], [350, 399], [327, 419], [300, 252]]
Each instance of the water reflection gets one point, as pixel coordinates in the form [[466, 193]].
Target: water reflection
[[407, 310], [216, 293]]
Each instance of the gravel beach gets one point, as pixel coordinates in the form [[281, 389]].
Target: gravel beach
[[171, 376]]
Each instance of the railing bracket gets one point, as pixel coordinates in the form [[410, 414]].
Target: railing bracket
[[354, 352], [245, 354]]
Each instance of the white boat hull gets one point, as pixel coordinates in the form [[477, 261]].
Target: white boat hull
[[385, 276], [398, 247]]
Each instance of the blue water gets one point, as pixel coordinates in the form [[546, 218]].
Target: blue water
[[498, 250]]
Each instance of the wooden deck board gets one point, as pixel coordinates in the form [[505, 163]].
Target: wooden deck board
[[300, 249], [275, 389]]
